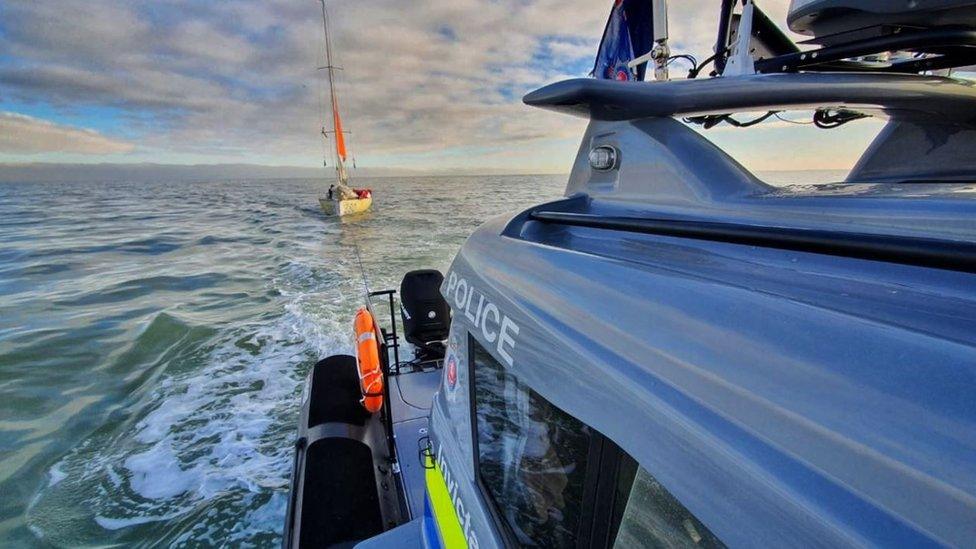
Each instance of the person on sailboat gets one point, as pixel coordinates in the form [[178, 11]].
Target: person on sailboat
[[331, 191]]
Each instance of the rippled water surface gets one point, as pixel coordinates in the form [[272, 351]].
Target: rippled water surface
[[154, 338]]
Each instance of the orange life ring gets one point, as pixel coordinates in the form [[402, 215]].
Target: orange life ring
[[368, 351]]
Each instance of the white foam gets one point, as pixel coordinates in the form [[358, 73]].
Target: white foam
[[56, 474], [113, 476], [109, 523], [157, 474], [272, 512]]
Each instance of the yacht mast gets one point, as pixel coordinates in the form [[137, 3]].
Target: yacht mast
[[339, 150]]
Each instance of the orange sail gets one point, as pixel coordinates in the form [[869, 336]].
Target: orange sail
[[339, 136]]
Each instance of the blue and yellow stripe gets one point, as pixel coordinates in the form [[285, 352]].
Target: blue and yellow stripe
[[442, 528]]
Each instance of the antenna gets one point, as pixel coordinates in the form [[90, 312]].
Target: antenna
[[660, 54]]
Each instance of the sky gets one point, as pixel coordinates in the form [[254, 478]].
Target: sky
[[429, 85]]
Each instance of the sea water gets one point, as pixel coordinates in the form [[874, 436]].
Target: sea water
[[154, 339]]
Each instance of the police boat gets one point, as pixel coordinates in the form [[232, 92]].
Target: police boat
[[676, 354]]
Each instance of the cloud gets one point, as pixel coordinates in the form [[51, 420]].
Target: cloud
[[237, 79], [573, 50], [27, 135]]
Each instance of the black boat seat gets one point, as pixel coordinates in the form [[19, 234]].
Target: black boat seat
[[340, 505], [335, 499], [335, 392], [425, 313]]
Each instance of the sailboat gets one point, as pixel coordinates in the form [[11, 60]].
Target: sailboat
[[341, 198]]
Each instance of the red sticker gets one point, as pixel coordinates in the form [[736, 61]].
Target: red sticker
[[452, 372]]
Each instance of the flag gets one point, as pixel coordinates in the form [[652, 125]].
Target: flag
[[629, 33]]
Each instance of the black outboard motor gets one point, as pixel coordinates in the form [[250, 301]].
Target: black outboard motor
[[426, 315]]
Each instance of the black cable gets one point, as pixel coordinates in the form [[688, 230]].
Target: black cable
[[710, 121], [687, 57], [693, 73], [827, 121], [797, 122], [737, 124]]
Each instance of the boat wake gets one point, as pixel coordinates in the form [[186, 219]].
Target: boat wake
[[204, 442]]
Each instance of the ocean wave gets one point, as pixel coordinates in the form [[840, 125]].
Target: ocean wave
[[152, 246], [132, 289]]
